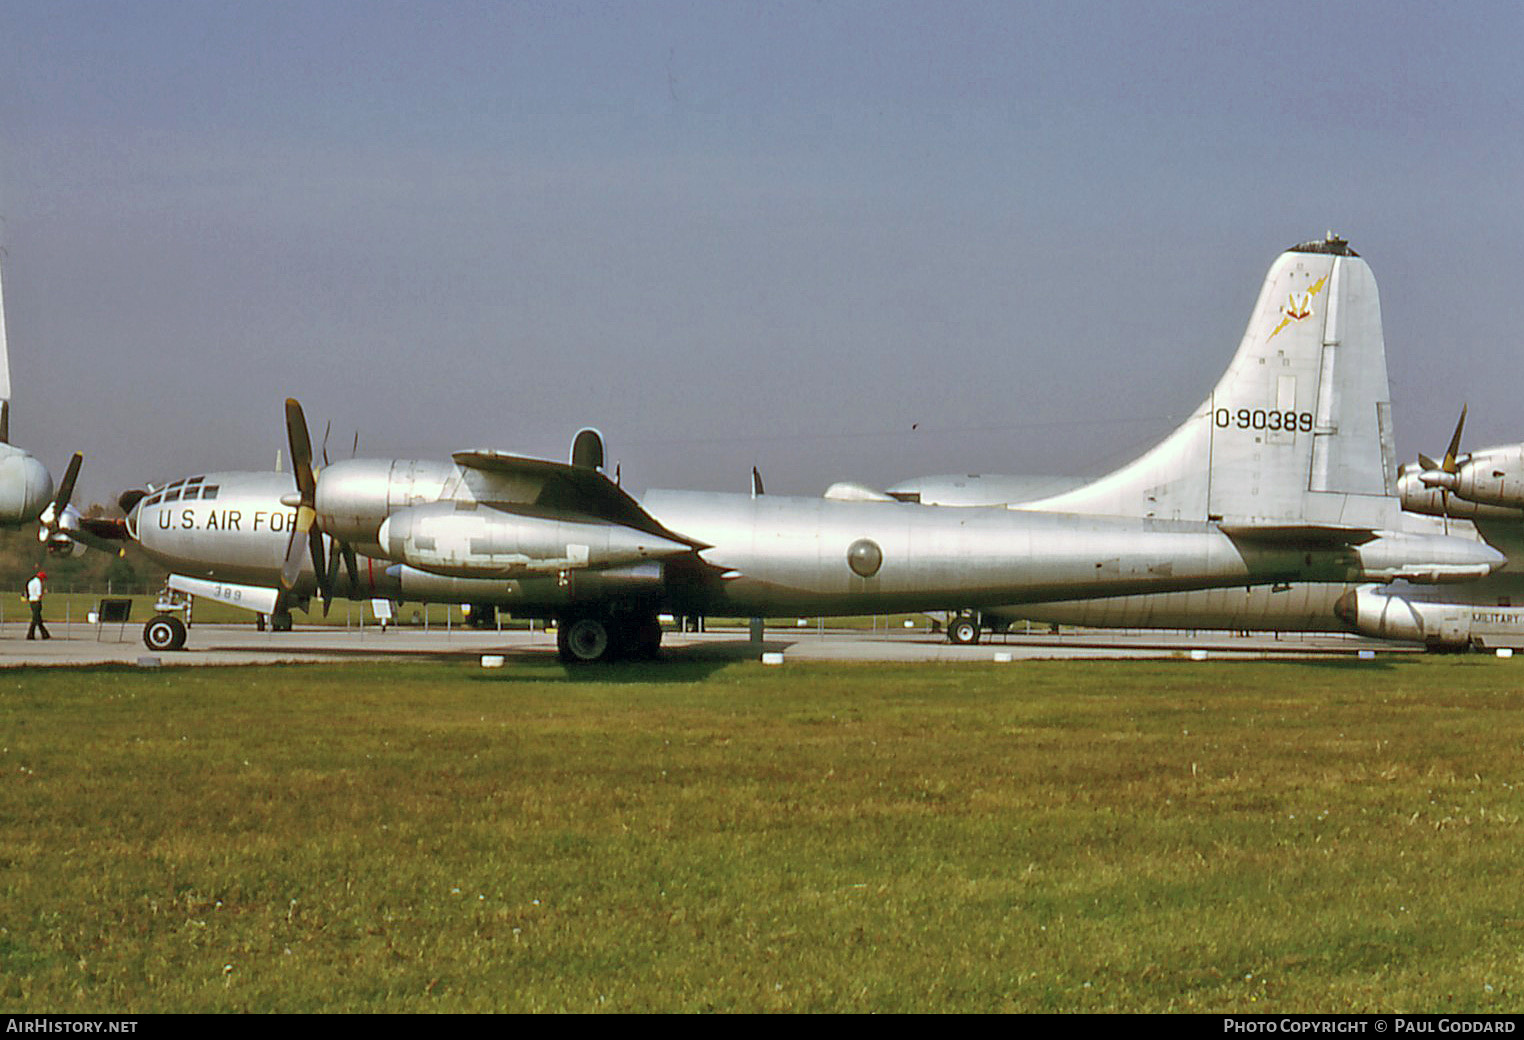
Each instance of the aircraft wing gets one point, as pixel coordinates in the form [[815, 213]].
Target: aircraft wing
[[561, 489]]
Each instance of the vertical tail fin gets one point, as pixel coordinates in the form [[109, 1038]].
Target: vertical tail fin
[[1299, 427]]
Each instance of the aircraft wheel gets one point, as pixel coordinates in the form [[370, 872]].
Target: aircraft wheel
[[164, 632], [584, 640], [642, 639], [280, 621], [963, 630]]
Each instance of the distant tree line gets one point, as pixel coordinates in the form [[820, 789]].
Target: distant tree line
[[92, 571]]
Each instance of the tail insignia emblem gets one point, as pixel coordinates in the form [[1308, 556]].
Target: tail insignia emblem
[[1298, 307]]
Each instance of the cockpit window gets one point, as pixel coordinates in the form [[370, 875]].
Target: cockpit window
[[172, 495], [190, 493], [153, 500], [210, 491]]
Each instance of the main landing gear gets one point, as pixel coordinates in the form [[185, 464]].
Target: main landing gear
[[963, 629], [594, 638]]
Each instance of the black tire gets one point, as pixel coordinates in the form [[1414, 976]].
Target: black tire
[[280, 621], [642, 639], [164, 632], [584, 640], [963, 630]]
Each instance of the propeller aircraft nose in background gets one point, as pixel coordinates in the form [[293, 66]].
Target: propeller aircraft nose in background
[[26, 486], [1218, 503]]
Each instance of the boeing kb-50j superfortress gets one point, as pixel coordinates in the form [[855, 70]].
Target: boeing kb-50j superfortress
[[1277, 480]]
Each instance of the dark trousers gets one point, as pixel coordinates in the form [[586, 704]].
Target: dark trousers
[[37, 624]]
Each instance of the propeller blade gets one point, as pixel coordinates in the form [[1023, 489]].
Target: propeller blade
[[291, 566], [330, 574], [351, 567], [301, 450], [66, 486], [319, 557], [1450, 452], [322, 565], [304, 535], [1426, 462], [52, 520], [326, 428]]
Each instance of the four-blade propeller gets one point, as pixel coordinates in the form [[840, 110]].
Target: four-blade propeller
[[1445, 475], [306, 534]]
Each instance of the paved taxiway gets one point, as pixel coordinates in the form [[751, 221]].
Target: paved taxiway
[[242, 644]]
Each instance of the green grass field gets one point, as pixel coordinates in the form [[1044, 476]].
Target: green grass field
[[1055, 836]]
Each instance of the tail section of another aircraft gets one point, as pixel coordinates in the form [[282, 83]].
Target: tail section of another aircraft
[[1296, 435]]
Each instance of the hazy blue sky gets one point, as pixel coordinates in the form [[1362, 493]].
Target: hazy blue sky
[[729, 234]]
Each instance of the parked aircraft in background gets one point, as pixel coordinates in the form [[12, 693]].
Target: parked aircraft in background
[[1226, 500], [1482, 489], [26, 486]]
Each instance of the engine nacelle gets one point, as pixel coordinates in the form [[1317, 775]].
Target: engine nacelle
[[26, 487], [355, 496], [56, 535], [1490, 477], [1382, 614], [1421, 492], [1493, 477], [483, 542]]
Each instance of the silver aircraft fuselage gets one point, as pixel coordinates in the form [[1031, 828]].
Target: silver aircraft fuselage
[[763, 556]]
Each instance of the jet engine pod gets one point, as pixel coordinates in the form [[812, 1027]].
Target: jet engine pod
[[1371, 611], [483, 542]]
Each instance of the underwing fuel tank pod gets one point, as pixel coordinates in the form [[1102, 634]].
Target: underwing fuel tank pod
[[1265, 485], [487, 542]]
